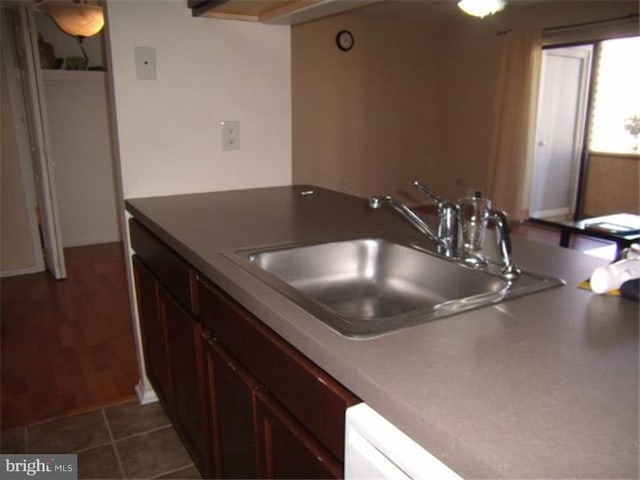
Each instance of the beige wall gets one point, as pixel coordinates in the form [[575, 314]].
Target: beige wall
[[207, 71], [447, 71], [363, 120], [16, 246], [78, 117], [613, 185]]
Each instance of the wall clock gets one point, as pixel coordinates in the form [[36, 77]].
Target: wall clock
[[344, 40]]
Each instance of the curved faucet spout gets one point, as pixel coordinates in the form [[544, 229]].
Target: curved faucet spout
[[376, 202]]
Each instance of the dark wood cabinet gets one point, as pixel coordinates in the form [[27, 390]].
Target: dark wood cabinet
[[232, 394], [254, 435], [245, 402], [171, 338], [286, 449], [154, 335], [312, 396], [185, 349], [298, 410]]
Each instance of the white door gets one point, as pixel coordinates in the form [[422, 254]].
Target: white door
[[43, 164], [562, 108]]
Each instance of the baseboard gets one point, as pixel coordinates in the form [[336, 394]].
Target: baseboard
[[145, 395], [88, 243], [22, 271]]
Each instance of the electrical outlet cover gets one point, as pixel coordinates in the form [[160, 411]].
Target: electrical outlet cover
[[230, 135]]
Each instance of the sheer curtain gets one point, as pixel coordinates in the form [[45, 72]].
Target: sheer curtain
[[510, 164]]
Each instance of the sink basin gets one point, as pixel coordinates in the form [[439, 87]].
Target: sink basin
[[368, 287]]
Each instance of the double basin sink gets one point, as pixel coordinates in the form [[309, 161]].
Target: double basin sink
[[368, 287]]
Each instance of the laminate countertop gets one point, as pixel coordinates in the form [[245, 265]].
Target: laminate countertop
[[542, 386]]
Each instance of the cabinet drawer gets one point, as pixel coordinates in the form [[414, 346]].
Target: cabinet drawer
[[173, 272], [310, 394]]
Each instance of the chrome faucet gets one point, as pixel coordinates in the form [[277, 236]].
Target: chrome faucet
[[447, 236], [448, 219], [376, 202], [499, 218]]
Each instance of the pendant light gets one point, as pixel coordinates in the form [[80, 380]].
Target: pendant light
[[75, 18], [80, 20], [481, 8]]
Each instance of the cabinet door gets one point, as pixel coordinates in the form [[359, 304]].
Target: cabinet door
[[154, 339], [313, 397], [183, 334], [232, 402], [286, 448]]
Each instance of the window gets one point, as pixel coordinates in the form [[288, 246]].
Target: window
[[615, 126]]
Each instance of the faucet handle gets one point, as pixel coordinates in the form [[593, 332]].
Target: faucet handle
[[503, 236], [439, 200]]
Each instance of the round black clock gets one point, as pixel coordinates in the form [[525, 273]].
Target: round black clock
[[344, 40]]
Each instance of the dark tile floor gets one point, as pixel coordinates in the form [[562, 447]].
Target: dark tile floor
[[121, 441]]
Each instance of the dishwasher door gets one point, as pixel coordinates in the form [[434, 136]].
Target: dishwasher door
[[376, 449]]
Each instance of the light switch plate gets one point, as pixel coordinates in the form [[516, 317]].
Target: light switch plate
[[145, 63], [230, 135]]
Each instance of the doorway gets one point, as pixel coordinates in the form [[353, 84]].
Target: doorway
[[20, 67], [67, 155], [560, 131], [586, 146]]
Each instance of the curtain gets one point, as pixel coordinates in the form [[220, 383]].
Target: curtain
[[510, 165]]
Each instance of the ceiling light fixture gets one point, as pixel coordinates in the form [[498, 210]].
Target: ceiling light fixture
[[80, 20], [75, 18], [481, 8]]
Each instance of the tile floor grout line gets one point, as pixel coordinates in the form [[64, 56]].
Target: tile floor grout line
[[168, 425], [113, 443], [82, 450], [168, 472]]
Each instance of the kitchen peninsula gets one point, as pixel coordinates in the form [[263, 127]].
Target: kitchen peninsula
[[543, 386]]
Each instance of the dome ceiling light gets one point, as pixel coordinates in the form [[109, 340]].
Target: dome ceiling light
[[481, 8], [75, 18]]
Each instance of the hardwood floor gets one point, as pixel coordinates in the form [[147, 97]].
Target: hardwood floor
[[67, 346]]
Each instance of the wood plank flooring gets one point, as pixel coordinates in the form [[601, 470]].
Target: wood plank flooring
[[67, 346]]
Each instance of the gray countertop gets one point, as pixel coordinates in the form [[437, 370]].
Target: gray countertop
[[540, 386]]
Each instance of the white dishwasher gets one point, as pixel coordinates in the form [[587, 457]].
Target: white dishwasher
[[375, 448]]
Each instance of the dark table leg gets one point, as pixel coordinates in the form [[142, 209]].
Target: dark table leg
[[565, 235], [621, 245]]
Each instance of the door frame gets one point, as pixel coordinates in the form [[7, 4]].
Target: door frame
[[13, 78], [43, 165], [580, 140]]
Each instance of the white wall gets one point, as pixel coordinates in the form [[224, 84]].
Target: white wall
[[78, 118], [168, 131], [207, 71]]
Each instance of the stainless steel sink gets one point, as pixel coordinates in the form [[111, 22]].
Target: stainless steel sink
[[367, 287]]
